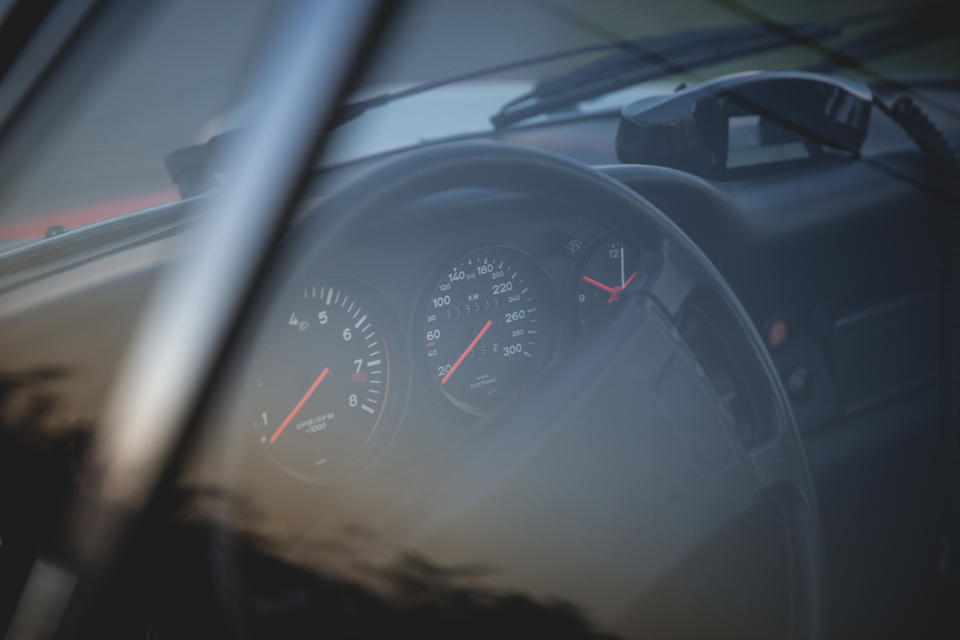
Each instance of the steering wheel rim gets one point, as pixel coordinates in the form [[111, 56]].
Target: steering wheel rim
[[775, 469]]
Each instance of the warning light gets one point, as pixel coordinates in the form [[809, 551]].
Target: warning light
[[359, 377], [777, 333]]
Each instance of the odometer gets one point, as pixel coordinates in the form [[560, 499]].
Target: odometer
[[482, 329]]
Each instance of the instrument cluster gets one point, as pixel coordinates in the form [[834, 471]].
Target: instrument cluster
[[332, 376]]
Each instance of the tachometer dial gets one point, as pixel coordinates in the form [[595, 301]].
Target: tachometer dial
[[324, 384], [484, 328]]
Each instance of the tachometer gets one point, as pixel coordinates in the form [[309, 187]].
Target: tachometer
[[484, 327], [323, 386]]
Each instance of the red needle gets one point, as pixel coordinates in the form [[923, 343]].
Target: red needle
[[613, 291], [600, 285], [466, 351], [303, 401]]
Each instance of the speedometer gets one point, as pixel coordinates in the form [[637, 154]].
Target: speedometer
[[484, 328]]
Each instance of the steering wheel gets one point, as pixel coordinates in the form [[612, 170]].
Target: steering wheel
[[620, 461]]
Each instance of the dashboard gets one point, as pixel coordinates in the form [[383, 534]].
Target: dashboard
[[552, 339], [424, 328], [426, 333]]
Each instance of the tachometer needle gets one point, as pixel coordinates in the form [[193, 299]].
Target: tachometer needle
[[466, 351], [299, 405]]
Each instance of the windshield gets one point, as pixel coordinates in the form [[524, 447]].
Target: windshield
[[165, 81], [530, 32], [112, 153]]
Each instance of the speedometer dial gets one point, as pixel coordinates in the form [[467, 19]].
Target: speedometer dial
[[484, 328]]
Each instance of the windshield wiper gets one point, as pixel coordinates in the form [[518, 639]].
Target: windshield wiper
[[357, 108], [652, 58], [667, 54], [635, 61]]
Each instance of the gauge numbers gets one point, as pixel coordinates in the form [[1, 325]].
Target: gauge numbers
[[325, 385], [482, 332]]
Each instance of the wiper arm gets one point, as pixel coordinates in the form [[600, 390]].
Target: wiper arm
[[662, 48], [355, 109], [646, 59]]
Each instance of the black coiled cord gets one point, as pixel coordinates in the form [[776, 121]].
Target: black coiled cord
[[943, 159], [945, 166]]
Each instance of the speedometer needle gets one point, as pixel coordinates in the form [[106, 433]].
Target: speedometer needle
[[466, 351], [299, 405]]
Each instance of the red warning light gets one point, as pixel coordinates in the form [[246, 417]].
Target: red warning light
[[359, 377], [777, 333]]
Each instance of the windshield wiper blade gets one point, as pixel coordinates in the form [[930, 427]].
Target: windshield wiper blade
[[660, 47], [663, 47], [678, 43], [652, 58], [648, 59], [357, 108]]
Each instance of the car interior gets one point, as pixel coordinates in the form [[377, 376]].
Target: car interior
[[434, 319]]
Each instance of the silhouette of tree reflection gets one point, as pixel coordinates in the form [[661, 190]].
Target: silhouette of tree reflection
[[426, 599], [255, 594], [207, 564], [201, 574]]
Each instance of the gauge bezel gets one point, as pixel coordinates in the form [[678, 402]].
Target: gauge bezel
[[550, 322]]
